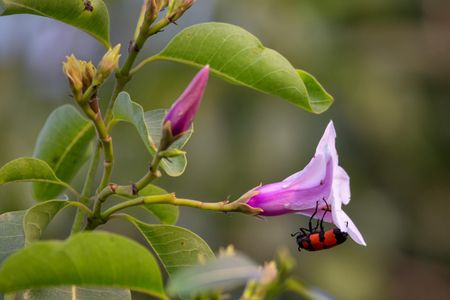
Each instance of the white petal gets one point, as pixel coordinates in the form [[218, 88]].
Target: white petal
[[341, 185], [327, 143], [345, 224]]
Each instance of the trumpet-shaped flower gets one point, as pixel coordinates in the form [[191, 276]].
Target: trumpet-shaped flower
[[322, 181], [182, 112]]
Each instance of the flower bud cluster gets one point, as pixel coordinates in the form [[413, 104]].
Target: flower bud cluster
[[80, 74], [83, 74]]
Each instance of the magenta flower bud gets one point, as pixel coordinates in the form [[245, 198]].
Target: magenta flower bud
[[322, 179], [182, 112]]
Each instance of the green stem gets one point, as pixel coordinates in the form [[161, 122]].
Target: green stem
[[166, 198], [82, 207], [106, 141], [123, 75], [222, 206], [87, 188], [131, 190]]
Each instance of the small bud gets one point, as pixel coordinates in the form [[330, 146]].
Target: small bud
[[108, 64], [153, 7], [89, 71], [177, 8], [180, 116], [72, 67]]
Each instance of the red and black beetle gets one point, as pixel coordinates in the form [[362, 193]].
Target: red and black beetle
[[314, 240]]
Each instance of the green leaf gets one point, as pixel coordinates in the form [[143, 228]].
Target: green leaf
[[11, 233], [38, 217], [219, 274], [74, 13], [35, 221], [98, 259], [239, 57], [76, 293], [64, 144], [20, 228], [176, 247], [167, 214], [315, 90], [149, 126], [154, 120], [29, 169]]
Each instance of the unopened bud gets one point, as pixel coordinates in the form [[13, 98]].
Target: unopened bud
[[153, 8], [180, 116], [108, 64], [177, 8], [73, 69], [88, 74]]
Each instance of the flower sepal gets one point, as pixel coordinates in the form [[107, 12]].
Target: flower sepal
[[171, 153], [167, 137], [242, 206]]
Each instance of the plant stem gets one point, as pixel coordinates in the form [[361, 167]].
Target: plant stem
[[222, 206], [105, 140], [82, 207], [87, 188], [123, 75], [133, 189]]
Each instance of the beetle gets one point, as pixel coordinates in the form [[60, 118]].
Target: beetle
[[313, 240]]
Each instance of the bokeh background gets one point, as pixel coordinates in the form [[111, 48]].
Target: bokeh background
[[387, 64]]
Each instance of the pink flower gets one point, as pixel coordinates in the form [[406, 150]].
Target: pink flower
[[322, 179], [183, 111]]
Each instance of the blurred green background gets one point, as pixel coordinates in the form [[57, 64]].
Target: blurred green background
[[387, 64]]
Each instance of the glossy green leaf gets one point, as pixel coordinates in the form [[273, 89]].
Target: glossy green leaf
[[149, 126], [239, 57], [98, 259], [76, 293], [176, 247], [29, 169], [167, 214], [35, 221], [64, 143], [219, 274], [74, 13], [11, 233], [37, 218]]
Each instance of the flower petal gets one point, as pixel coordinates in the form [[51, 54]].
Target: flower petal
[[341, 185], [309, 212], [327, 143], [345, 224], [312, 175]]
